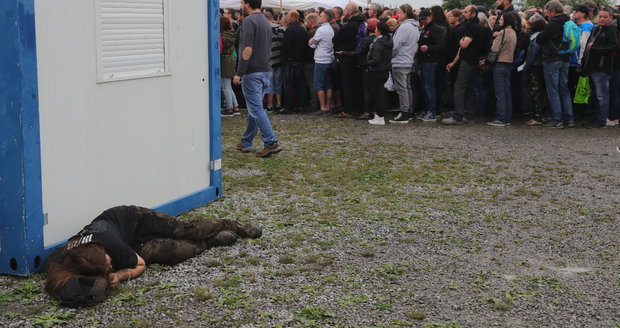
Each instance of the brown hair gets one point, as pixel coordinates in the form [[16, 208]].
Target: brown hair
[[408, 10], [82, 261], [225, 24]]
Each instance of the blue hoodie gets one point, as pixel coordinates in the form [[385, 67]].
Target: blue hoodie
[[586, 29]]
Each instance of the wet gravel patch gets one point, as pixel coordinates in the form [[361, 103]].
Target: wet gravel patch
[[418, 225]]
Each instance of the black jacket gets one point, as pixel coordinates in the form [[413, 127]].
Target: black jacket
[[380, 54], [295, 43], [617, 51], [455, 34], [550, 39], [362, 54], [480, 43], [346, 38], [433, 36], [599, 58]]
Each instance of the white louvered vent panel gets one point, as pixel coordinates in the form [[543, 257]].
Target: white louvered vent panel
[[131, 38]]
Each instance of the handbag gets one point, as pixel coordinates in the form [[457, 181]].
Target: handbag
[[389, 84], [582, 94], [493, 56]]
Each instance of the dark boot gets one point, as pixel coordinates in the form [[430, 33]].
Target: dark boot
[[249, 230], [222, 238]]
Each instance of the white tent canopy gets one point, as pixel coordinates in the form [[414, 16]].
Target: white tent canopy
[[293, 4]]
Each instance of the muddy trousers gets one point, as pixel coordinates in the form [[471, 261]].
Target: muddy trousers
[[160, 238]]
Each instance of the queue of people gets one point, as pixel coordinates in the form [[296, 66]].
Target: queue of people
[[553, 65]]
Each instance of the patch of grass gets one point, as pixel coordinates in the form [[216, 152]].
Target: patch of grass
[[287, 259], [390, 271], [202, 293], [230, 281], [212, 263], [27, 292], [416, 315], [52, 319]]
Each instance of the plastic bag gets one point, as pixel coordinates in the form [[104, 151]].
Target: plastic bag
[[582, 94], [389, 84]]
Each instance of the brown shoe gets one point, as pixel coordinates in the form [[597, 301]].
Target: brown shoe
[[274, 148], [243, 149]]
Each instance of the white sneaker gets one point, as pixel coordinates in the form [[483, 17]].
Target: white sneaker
[[377, 120], [612, 123]]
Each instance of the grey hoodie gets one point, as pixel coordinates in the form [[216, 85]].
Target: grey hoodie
[[405, 43]]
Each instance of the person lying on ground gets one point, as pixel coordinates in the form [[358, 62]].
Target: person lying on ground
[[118, 244]]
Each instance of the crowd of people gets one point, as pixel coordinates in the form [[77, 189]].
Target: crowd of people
[[549, 65]]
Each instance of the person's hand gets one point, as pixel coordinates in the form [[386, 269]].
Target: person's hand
[[449, 66], [310, 43], [236, 80], [424, 48], [589, 45], [495, 34], [113, 280]]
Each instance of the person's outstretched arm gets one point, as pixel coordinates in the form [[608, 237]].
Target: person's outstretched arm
[[125, 274]]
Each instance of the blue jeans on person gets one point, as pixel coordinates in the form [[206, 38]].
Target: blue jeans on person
[[503, 92], [230, 100], [254, 86], [601, 91], [560, 101], [427, 74], [275, 85], [614, 95]]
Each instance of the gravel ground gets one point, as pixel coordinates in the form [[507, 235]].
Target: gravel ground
[[419, 225]]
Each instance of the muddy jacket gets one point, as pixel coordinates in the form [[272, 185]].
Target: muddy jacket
[[550, 39], [599, 58]]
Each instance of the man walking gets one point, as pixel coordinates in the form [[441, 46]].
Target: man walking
[[253, 73]]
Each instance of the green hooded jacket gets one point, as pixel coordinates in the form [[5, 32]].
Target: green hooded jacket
[[227, 59]]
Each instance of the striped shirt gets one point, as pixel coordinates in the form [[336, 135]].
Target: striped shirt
[[277, 41]]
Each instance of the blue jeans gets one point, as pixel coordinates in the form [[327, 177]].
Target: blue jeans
[[560, 102], [601, 91], [230, 100], [254, 86], [427, 73], [275, 86], [614, 95], [503, 93]]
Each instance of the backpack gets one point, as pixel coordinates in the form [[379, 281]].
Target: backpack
[[570, 38], [359, 37]]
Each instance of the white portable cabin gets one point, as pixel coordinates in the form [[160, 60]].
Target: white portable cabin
[[103, 103]]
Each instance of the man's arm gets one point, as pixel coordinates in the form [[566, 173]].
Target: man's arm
[[465, 42], [246, 44], [115, 277]]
